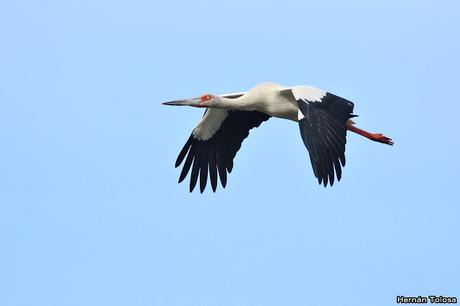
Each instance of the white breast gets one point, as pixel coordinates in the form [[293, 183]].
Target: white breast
[[268, 98]]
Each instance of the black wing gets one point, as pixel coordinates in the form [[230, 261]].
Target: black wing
[[215, 155], [323, 129]]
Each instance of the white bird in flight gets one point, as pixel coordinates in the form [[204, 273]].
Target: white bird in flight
[[323, 120]]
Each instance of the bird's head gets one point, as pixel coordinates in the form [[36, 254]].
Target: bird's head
[[206, 100]]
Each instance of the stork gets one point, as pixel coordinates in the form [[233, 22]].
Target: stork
[[323, 119]]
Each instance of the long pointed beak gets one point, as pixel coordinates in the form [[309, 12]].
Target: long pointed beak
[[184, 102]]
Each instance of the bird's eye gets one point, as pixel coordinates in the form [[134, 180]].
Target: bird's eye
[[205, 98]]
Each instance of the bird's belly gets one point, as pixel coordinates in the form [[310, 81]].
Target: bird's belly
[[284, 111]]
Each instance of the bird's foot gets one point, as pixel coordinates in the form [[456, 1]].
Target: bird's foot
[[381, 138], [372, 136]]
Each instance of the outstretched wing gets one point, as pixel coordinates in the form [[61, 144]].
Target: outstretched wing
[[322, 122], [213, 144]]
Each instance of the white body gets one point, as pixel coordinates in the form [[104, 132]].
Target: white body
[[269, 99]]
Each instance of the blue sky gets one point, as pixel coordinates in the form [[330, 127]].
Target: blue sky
[[90, 209]]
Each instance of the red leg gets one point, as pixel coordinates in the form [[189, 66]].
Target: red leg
[[372, 136]]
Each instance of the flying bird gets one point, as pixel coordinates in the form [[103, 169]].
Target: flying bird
[[323, 119]]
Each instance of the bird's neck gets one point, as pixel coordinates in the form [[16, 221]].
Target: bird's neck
[[244, 103]]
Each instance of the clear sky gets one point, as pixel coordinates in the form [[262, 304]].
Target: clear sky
[[90, 209]]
